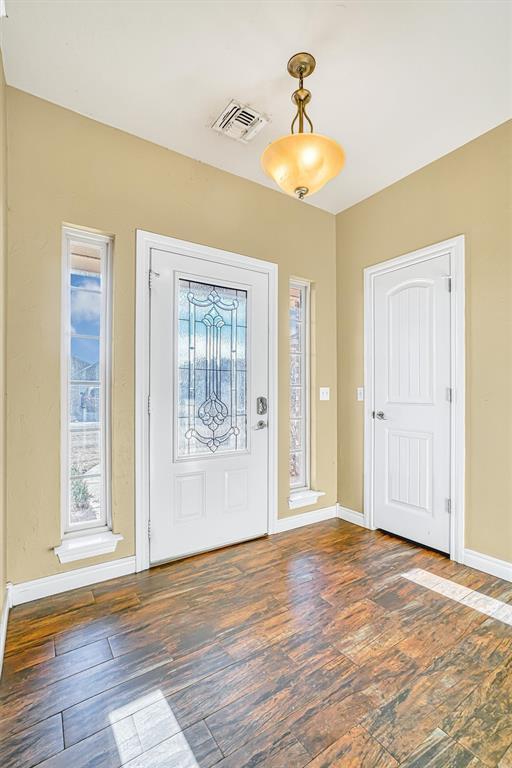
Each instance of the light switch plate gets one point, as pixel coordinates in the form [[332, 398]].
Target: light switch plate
[[360, 394], [325, 393]]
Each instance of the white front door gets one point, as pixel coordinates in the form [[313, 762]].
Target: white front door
[[208, 404], [412, 402]]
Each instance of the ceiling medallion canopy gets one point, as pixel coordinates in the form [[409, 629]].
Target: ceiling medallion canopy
[[301, 163]]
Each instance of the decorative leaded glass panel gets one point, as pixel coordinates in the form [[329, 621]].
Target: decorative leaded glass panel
[[295, 467], [298, 381], [295, 371], [295, 403], [212, 361], [296, 434]]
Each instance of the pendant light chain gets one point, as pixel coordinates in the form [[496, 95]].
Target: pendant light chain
[[302, 163], [301, 97]]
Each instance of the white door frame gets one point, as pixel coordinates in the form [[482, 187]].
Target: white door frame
[[145, 242], [455, 248]]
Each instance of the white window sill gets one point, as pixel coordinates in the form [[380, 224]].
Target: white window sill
[[87, 545], [303, 498]]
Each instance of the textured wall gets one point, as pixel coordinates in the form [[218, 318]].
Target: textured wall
[[467, 192], [66, 168]]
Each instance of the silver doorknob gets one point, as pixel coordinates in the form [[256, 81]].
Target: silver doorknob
[[380, 415], [260, 424]]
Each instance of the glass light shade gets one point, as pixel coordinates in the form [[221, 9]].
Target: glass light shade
[[303, 160]]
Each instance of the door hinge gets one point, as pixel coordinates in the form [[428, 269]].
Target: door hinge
[[449, 394], [449, 284], [149, 529], [373, 414], [151, 276], [149, 403], [449, 506]]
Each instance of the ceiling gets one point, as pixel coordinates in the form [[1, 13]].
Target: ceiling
[[398, 84]]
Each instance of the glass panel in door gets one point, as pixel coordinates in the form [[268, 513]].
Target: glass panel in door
[[212, 363]]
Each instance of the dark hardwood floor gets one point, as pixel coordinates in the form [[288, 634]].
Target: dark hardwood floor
[[309, 648]]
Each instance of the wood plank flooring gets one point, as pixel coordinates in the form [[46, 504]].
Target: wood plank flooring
[[309, 648]]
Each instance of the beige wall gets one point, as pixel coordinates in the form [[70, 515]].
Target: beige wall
[[67, 168], [466, 192], [3, 256]]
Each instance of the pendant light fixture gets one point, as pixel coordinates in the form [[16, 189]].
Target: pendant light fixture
[[301, 163]]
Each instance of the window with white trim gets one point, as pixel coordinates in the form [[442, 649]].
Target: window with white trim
[[86, 310], [299, 385]]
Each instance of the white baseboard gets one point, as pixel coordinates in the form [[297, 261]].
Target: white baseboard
[[500, 568], [4, 618], [63, 582], [351, 516], [307, 518]]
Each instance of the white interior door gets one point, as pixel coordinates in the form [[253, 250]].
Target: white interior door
[[412, 402], [208, 404]]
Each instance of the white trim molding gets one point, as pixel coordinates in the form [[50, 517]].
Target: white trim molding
[[500, 568], [63, 582], [455, 248], [4, 619], [146, 241], [283, 524], [303, 498], [351, 516], [82, 546]]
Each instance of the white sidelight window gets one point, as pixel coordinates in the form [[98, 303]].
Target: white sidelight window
[[301, 493], [299, 385], [85, 403]]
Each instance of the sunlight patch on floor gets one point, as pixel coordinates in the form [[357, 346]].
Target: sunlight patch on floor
[[148, 725], [490, 606]]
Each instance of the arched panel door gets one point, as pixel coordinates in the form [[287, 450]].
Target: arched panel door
[[412, 402]]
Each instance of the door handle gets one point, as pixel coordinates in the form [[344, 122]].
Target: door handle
[[260, 424], [380, 415]]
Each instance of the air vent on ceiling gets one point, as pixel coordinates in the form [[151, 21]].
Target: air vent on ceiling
[[239, 122]]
